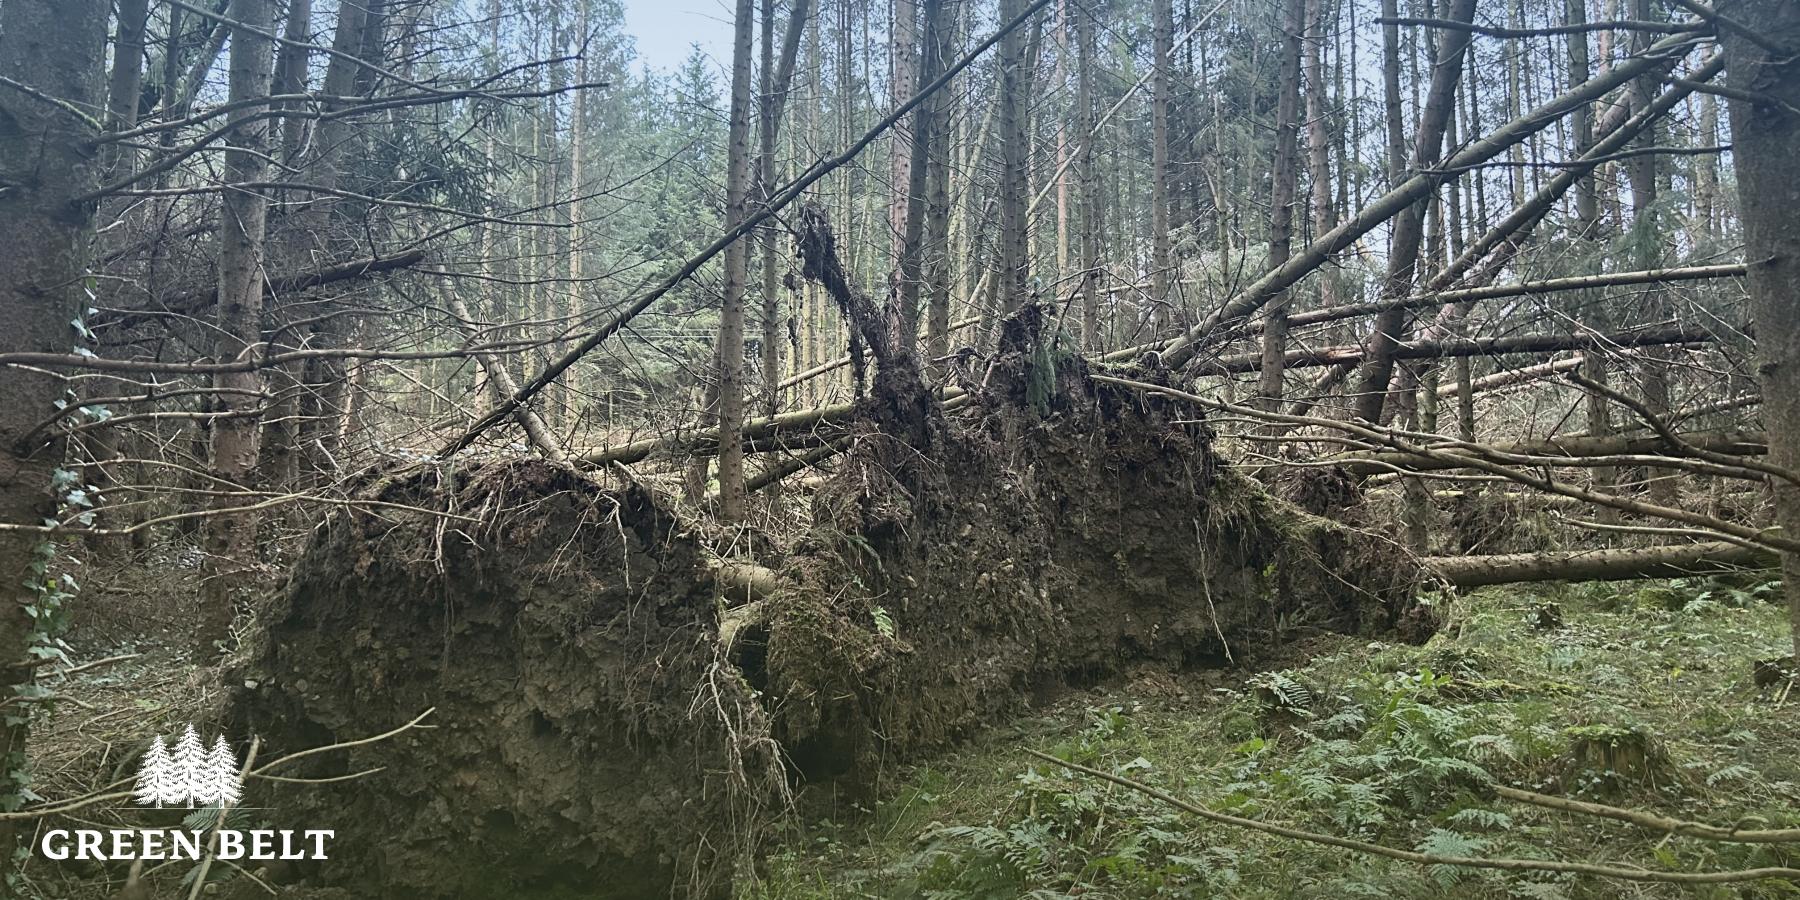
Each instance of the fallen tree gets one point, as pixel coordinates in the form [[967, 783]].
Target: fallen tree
[[1455, 347], [1573, 448], [603, 719], [1599, 565]]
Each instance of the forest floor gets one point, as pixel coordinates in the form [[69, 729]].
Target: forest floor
[[1638, 695], [1643, 695]]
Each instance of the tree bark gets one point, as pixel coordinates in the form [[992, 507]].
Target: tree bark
[[1281, 202], [1088, 181], [1766, 154], [52, 46], [1014, 262], [1162, 263], [737, 272], [1709, 558], [1743, 443], [230, 537], [922, 146]]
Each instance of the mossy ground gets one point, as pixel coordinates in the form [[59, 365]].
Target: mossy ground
[[1381, 742]]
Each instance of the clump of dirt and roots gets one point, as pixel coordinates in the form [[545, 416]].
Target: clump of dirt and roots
[[1062, 532], [596, 732], [587, 736]]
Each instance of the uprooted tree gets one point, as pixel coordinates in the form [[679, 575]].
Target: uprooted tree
[[441, 317]]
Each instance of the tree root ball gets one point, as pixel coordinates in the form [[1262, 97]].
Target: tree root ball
[[588, 738]]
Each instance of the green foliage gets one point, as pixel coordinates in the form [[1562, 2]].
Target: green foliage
[[1392, 744]]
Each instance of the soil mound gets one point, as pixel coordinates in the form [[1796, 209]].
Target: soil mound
[[589, 739], [1067, 532]]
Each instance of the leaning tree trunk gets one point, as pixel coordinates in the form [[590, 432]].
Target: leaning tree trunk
[[53, 47], [1766, 151]]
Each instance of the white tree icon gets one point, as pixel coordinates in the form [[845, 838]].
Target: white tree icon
[[190, 764], [159, 779], [218, 780]]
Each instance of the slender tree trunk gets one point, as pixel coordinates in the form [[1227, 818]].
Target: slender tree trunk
[[578, 126], [54, 47], [1647, 240], [290, 73], [326, 382], [1089, 184], [923, 147], [902, 72], [939, 47], [737, 272], [230, 538], [1281, 201], [1014, 264], [1766, 153], [1162, 32]]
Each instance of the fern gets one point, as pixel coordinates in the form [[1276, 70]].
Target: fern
[[1444, 842]]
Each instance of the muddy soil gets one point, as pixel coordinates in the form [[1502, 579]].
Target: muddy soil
[[1064, 533], [587, 738]]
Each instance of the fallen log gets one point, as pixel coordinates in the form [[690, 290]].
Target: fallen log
[[1746, 443], [1490, 346], [1522, 289], [197, 302], [1598, 565]]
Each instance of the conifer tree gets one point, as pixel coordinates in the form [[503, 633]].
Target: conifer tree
[[159, 781], [219, 783], [190, 766]]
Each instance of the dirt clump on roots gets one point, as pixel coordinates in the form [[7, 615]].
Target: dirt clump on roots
[[1061, 532], [588, 739]]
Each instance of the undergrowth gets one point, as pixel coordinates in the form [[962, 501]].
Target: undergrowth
[[1640, 696]]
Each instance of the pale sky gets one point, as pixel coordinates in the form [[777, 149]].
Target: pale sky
[[667, 29]]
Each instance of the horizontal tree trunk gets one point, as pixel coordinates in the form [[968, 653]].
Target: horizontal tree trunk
[[1598, 565], [1747, 443], [202, 301], [1493, 346]]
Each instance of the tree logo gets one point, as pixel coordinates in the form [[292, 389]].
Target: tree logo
[[190, 774]]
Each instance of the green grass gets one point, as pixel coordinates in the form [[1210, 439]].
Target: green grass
[[1643, 698]]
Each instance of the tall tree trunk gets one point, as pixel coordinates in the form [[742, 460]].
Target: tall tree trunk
[[1318, 136], [54, 47], [737, 273], [290, 73], [1087, 180], [1587, 226], [1281, 200], [902, 72], [938, 51], [1647, 239], [1766, 154], [230, 537], [923, 147], [1162, 38], [572, 385], [358, 36], [1014, 263]]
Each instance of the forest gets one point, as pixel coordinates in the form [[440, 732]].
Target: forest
[[914, 448]]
